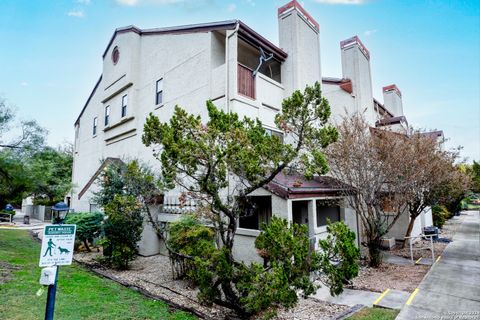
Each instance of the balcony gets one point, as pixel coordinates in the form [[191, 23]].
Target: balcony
[[246, 81]]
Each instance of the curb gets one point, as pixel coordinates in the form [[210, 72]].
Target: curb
[[349, 312]]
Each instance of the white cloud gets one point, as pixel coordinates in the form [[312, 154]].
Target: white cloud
[[231, 7], [86, 2], [76, 13], [24, 84], [341, 1], [127, 2], [370, 32]]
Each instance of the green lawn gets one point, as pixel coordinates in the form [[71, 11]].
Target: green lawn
[[80, 293], [374, 314]]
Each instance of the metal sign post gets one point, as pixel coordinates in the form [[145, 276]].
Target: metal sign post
[[57, 250]]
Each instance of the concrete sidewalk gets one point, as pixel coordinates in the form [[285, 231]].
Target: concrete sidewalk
[[390, 299], [451, 287], [17, 223]]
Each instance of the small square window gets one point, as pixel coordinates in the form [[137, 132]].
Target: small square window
[[159, 92], [274, 133], [260, 211], [95, 123], [124, 105], [107, 115]]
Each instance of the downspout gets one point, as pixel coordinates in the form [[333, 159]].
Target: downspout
[[227, 69], [227, 84]]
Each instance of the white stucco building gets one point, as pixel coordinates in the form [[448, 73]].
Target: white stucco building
[[152, 70]]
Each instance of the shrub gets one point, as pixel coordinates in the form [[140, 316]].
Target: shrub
[[122, 229], [287, 269], [339, 247], [189, 237], [10, 212], [439, 214], [89, 226]]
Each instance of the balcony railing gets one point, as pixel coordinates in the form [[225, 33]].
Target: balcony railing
[[246, 81]]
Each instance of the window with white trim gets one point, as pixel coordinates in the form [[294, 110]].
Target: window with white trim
[[159, 92], [95, 124], [124, 105], [274, 133], [107, 115]]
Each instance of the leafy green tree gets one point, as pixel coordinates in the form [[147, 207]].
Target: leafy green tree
[[18, 141], [122, 229], [221, 161], [51, 173], [289, 263], [15, 181], [130, 178]]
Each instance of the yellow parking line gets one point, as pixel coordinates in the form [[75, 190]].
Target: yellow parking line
[[438, 259], [416, 262], [414, 293], [381, 296]]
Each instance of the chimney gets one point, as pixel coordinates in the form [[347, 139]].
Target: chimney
[[356, 67], [299, 38], [392, 100]]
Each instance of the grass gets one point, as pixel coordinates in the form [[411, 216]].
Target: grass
[[80, 293], [375, 314]]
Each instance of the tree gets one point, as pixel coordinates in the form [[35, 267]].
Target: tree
[[429, 175], [131, 178], [15, 181], [122, 229], [51, 173], [23, 135], [367, 162], [18, 141], [220, 162]]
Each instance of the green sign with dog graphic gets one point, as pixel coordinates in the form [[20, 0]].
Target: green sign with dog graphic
[[57, 245]]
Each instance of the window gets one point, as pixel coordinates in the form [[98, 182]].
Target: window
[[325, 211], [274, 133], [259, 211], [95, 123], [124, 105], [107, 115], [159, 92]]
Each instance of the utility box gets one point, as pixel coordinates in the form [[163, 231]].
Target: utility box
[[388, 243], [48, 276]]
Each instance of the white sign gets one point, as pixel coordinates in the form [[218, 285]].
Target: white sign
[[57, 245]]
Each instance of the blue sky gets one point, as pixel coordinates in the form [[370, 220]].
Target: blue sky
[[50, 52]]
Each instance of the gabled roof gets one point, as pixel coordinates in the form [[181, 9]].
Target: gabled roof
[[201, 27], [382, 106], [106, 162], [433, 134], [88, 100], [249, 34], [391, 121], [345, 84], [291, 186]]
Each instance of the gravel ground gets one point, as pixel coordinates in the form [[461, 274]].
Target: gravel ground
[[447, 232], [312, 309], [153, 274], [405, 278]]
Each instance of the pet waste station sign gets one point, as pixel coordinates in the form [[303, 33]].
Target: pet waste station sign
[[57, 245]]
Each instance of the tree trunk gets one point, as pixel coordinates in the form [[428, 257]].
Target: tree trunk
[[374, 252], [409, 230], [85, 242]]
